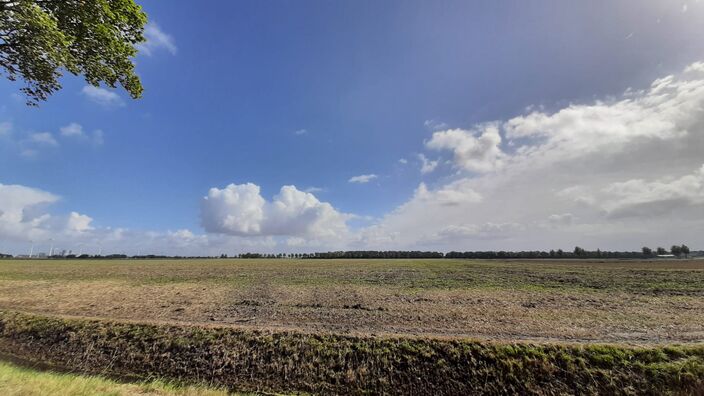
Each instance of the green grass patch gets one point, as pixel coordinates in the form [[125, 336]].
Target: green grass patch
[[20, 381], [640, 277]]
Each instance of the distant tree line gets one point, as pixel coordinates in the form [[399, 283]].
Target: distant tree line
[[373, 254], [578, 253], [677, 251], [357, 254]]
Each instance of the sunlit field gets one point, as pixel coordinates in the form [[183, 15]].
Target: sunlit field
[[638, 302], [443, 326]]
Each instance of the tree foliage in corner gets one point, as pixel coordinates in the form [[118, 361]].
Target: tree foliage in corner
[[94, 38]]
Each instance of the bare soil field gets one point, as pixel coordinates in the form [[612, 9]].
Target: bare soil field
[[627, 302]]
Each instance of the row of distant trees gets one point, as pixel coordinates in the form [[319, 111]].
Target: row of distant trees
[[675, 250], [346, 255], [578, 252]]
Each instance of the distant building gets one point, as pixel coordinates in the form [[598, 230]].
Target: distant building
[[666, 255]]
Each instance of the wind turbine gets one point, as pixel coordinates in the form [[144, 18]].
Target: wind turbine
[[31, 249], [51, 249]]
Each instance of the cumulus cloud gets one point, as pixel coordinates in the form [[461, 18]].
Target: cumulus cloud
[[30, 144], [563, 219], [696, 67], [300, 132], [361, 179], [26, 220], [23, 214], [102, 96], [646, 198], [435, 125], [417, 222], [237, 209], [615, 173], [475, 151], [426, 165], [457, 193], [43, 138], [73, 129], [157, 39], [240, 210], [478, 231], [76, 222]]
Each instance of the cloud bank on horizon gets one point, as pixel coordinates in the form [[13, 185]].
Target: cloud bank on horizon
[[628, 168]]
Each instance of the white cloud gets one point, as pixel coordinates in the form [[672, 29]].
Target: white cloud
[[102, 96], [300, 132], [563, 219], [236, 210], [454, 194], [75, 130], [240, 210], [648, 199], [157, 39], [72, 130], [76, 222], [43, 138], [613, 174], [696, 67], [475, 151], [24, 216], [403, 161], [459, 233], [22, 213], [427, 166], [435, 125], [31, 144], [361, 179], [417, 222], [26, 220]]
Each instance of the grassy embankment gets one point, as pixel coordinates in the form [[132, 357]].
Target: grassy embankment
[[250, 360]]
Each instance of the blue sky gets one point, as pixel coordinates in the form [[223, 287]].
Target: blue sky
[[314, 93]]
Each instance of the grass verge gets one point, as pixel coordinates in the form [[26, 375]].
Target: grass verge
[[20, 381], [247, 360]]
